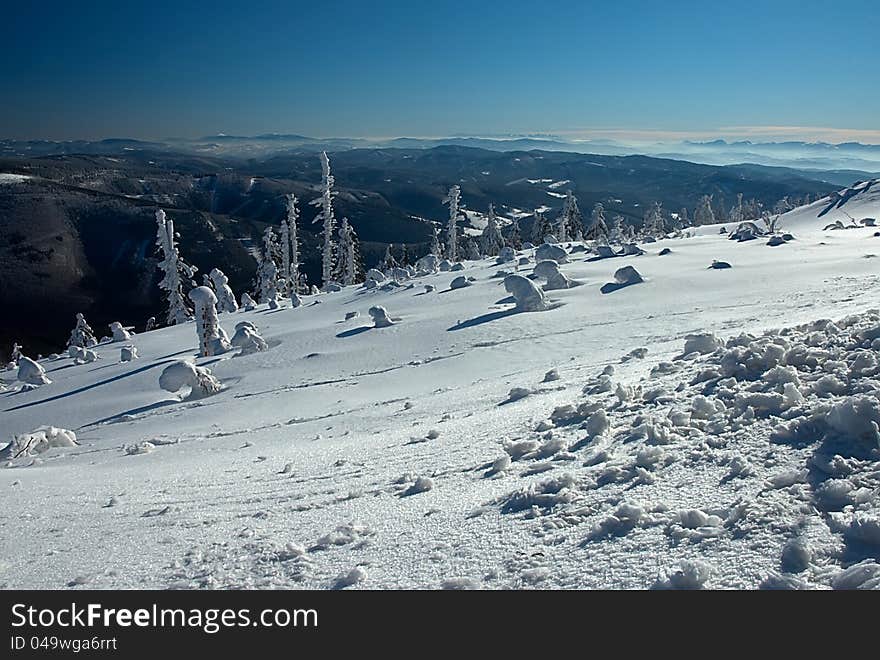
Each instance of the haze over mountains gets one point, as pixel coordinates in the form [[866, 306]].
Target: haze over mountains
[[863, 158]]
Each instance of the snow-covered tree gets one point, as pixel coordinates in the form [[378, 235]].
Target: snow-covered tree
[[82, 335], [16, 353], [470, 248], [351, 269], [736, 213], [225, 297], [540, 228], [325, 202], [173, 267], [491, 240], [616, 234], [453, 199], [267, 271], [514, 239], [598, 229], [290, 248], [655, 225], [703, 214], [212, 338], [570, 223], [388, 261], [436, 247], [782, 206]]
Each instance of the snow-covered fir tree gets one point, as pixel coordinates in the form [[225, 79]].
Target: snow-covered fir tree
[[82, 334], [175, 271], [684, 218], [703, 214], [225, 297], [491, 240], [290, 247], [267, 271], [453, 199], [540, 228], [514, 238], [325, 203], [736, 213], [436, 247], [616, 233], [389, 261], [570, 223], [471, 248], [598, 229], [351, 269], [782, 206], [655, 225]]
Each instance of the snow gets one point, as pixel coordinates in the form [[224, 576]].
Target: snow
[[9, 179], [737, 467]]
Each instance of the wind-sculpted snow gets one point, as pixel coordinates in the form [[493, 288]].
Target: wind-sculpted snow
[[699, 430]]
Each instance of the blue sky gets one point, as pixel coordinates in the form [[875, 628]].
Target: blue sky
[[584, 69]]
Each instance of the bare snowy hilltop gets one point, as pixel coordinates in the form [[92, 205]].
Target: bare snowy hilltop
[[699, 411]]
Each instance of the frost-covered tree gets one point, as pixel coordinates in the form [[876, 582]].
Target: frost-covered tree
[[267, 271], [175, 271], [782, 206], [351, 268], [16, 353], [598, 229], [388, 261], [436, 247], [703, 214], [471, 248], [540, 228], [684, 217], [514, 238], [82, 334], [225, 297], [325, 203], [720, 210], [453, 199], [655, 225], [736, 213], [570, 223], [616, 234], [290, 247], [491, 241], [212, 338]]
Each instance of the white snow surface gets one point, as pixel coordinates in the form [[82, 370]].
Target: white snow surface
[[360, 457]]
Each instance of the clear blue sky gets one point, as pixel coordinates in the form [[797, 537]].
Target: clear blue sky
[[136, 69]]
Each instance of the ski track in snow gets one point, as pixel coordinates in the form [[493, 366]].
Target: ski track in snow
[[395, 457]]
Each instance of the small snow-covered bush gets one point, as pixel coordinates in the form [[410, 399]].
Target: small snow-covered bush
[[248, 339], [506, 254], [380, 317], [32, 372], [459, 282], [551, 252], [529, 297], [120, 332], [180, 375], [38, 441], [212, 338], [128, 353], [549, 270]]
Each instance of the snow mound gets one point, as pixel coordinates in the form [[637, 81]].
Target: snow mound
[[38, 441], [181, 375]]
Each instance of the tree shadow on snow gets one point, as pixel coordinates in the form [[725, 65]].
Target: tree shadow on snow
[[479, 320], [118, 417], [89, 387], [611, 287], [354, 331]]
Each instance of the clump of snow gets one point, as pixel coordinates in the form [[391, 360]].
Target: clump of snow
[[128, 353], [120, 332], [459, 282], [31, 372], [701, 342], [690, 574], [551, 252], [38, 441], [380, 317], [542, 494], [180, 375], [420, 485], [549, 270], [505, 255], [529, 297], [623, 277], [353, 577], [225, 297], [247, 303], [248, 339]]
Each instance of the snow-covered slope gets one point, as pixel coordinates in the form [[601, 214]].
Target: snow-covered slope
[[850, 204], [400, 451]]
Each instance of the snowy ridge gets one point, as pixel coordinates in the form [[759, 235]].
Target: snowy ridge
[[468, 445]]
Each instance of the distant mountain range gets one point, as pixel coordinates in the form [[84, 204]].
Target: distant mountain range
[[856, 159]]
